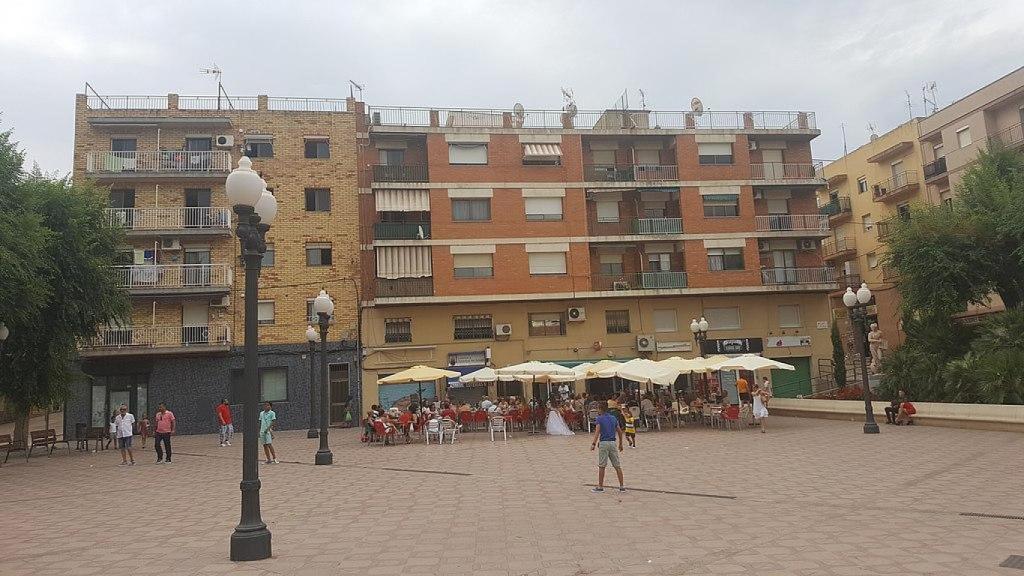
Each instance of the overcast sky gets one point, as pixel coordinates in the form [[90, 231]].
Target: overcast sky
[[850, 62]]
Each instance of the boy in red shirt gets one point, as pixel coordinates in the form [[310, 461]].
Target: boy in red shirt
[[227, 429]]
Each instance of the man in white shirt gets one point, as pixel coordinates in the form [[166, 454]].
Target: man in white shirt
[[486, 404], [123, 423]]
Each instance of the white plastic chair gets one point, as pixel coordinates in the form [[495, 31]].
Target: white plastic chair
[[449, 428], [433, 428], [591, 418], [497, 424], [683, 412]]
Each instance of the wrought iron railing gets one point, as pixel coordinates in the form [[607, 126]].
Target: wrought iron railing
[[400, 173], [401, 230], [781, 276], [214, 219], [799, 222], [784, 171], [833, 246], [1011, 136], [895, 186], [172, 276], [935, 168], [162, 161], [404, 287], [114, 337], [639, 281], [658, 226], [836, 206]]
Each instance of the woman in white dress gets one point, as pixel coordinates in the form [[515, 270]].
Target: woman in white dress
[[556, 425], [761, 396]]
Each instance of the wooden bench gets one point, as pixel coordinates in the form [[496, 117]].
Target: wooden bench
[[97, 434], [45, 439], [7, 445]]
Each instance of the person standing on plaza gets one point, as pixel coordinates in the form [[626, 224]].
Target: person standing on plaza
[[761, 397], [630, 428], [144, 429], [267, 419], [166, 425], [227, 429], [123, 423], [606, 430], [743, 389]]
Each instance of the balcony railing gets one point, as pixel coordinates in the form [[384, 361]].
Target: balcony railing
[[799, 222], [630, 172], [658, 226], [785, 276], [783, 171], [146, 337], [889, 274], [849, 280], [935, 168], [836, 206], [1009, 137], [159, 162], [887, 227], [404, 287], [400, 173], [832, 247], [639, 281], [401, 230], [157, 277], [896, 186], [214, 219]]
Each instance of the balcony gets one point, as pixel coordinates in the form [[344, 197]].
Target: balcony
[[629, 172], [400, 173], [171, 279], [935, 170], [796, 276], [171, 163], [778, 171], [183, 221], [886, 227], [639, 281], [1009, 138], [889, 274], [896, 188], [794, 222], [401, 230], [658, 226], [838, 249], [149, 340], [837, 209], [847, 280], [404, 287]]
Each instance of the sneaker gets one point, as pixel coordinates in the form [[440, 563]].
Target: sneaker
[[227, 443], [160, 461], [268, 462], [622, 488], [274, 461], [123, 464], [597, 489], [221, 444], [133, 463], [167, 461]]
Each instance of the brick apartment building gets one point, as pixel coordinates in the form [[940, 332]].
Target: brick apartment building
[[164, 160], [491, 237]]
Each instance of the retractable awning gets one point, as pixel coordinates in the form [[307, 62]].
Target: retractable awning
[[403, 261], [402, 200], [545, 150]]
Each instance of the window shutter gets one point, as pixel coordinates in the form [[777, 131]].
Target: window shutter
[[467, 154], [714, 149], [473, 260], [547, 263], [607, 211], [546, 206]]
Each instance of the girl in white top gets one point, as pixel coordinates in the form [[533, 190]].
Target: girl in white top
[[761, 396]]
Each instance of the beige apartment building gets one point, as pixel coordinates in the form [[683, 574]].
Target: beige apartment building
[[163, 161]]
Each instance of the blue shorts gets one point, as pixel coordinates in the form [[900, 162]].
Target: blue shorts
[[266, 438], [125, 442]]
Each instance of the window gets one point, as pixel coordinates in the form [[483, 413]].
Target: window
[[607, 211], [872, 260], [199, 144], [903, 212], [937, 151], [721, 205], [714, 153], [948, 203], [543, 208], [789, 316], [547, 262], [318, 254], [473, 327], [318, 199], [616, 321], [723, 318], [398, 329], [391, 157], [467, 153], [963, 137], [867, 222], [471, 210], [862, 185], [896, 168], [123, 145], [265, 312], [547, 324], [665, 321], [318, 148], [659, 262], [197, 197], [611, 264], [725, 259], [268, 256], [259, 148], [273, 384], [122, 198], [473, 265]]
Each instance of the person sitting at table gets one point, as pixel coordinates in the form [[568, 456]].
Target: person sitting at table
[[502, 405], [406, 424], [906, 413], [485, 404], [447, 412], [464, 407], [647, 404]]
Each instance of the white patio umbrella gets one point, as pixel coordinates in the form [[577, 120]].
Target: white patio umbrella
[[750, 362], [482, 375], [539, 371], [594, 370], [638, 370], [419, 375]]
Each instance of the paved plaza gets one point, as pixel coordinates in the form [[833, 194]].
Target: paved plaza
[[811, 497]]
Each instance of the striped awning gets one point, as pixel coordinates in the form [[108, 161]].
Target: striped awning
[[403, 261], [402, 200], [542, 149]]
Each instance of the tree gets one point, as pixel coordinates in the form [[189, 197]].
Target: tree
[[838, 357], [56, 280]]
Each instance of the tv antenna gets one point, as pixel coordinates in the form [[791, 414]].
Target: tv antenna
[[871, 129], [910, 106], [930, 89], [357, 87], [217, 73], [643, 99]]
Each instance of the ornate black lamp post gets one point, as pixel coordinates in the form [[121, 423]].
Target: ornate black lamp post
[[256, 209], [700, 335], [857, 303], [312, 337], [324, 307]]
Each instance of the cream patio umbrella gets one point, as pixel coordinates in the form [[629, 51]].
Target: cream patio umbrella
[[419, 375], [750, 362], [536, 371], [482, 375]]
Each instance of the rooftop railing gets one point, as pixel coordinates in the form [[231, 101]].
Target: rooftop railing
[[223, 103]]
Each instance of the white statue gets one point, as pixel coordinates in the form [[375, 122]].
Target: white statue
[[875, 345]]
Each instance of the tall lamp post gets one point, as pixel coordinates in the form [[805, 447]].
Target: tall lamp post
[[857, 303], [311, 335], [324, 307], [256, 209], [700, 335]]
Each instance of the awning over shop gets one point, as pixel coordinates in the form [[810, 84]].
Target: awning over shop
[[542, 150], [402, 200], [403, 261]]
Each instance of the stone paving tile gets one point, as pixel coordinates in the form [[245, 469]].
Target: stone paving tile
[[810, 498]]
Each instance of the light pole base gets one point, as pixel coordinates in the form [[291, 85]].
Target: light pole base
[[312, 433], [324, 458], [871, 427], [251, 545]]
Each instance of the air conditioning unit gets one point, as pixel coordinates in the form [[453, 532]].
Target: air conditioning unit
[[752, 145], [807, 244], [170, 244], [577, 314], [645, 343], [224, 141], [502, 330], [620, 285], [764, 246], [222, 302], [758, 194]]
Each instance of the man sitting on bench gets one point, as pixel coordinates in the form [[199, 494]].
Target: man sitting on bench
[[893, 409]]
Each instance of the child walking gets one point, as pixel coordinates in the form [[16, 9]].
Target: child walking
[[630, 429], [144, 429]]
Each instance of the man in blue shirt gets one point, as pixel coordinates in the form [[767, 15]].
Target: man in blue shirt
[[606, 431]]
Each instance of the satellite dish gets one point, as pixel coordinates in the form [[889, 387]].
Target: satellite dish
[[518, 110], [571, 109], [697, 106]]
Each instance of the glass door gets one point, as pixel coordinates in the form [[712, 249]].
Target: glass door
[[784, 262]]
